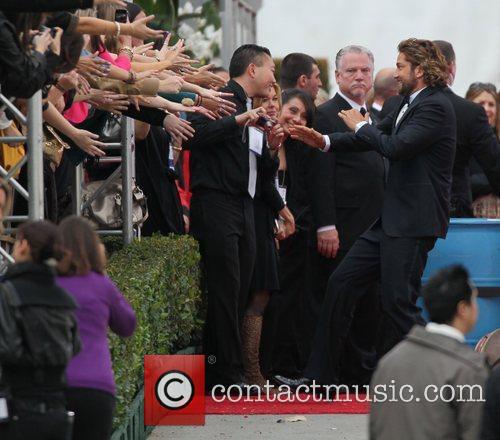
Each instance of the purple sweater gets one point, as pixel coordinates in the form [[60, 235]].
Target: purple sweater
[[101, 304]]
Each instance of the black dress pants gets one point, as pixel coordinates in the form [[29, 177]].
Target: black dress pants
[[224, 227], [283, 329], [361, 345], [93, 410], [397, 263]]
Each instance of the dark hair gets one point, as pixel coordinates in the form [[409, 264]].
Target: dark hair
[[244, 56], [446, 49], [24, 23], [293, 66], [444, 291], [44, 240], [426, 54], [81, 244], [305, 98], [133, 11], [71, 49]]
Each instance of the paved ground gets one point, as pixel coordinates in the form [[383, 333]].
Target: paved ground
[[316, 427]]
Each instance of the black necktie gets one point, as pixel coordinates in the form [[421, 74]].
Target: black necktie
[[363, 111]]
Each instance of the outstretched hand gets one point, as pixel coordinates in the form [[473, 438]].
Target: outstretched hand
[[307, 135]]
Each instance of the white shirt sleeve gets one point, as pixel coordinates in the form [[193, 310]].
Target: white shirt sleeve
[[326, 228], [327, 143], [359, 125]]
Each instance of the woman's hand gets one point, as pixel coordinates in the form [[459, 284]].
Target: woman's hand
[[93, 65], [204, 78], [275, 137], [114, 103], [88, 142], [177, 127], [55, 45], [42, 41], [171, 84], [140, 30], [142, 49]]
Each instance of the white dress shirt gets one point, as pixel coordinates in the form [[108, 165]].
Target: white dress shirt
[[252, 161], [446, 330]]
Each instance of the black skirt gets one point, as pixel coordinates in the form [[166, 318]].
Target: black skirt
[[265, 275]]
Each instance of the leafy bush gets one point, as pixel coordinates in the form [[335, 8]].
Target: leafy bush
[[160, 278]]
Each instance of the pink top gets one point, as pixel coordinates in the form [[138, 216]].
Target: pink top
[[79, 111]]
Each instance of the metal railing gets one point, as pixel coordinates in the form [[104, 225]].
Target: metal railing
[[125, 171], [34, 193]]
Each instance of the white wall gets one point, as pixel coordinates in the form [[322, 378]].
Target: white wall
[[321, 27]]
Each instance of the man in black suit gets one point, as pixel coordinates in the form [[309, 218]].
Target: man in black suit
[[474, 139], [223, 182], [420, 145], [346, 191]]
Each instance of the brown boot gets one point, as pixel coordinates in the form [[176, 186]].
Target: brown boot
[[250, 339]]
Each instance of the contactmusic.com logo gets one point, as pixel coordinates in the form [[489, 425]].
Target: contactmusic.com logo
[[174, 390]]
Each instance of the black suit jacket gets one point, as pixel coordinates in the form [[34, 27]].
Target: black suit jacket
[[474, 139], [346, 188], [421, 150], [219, 156]]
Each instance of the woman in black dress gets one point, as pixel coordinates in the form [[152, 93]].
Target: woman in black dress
[[282, 349], [269, 204]]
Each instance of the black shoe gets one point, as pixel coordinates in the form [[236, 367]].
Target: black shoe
[[289, 382]]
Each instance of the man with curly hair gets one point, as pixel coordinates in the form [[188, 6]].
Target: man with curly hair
[[419, 142]]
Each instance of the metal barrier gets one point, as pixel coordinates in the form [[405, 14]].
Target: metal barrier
[[34, 194], [34, 158], [126, 170]]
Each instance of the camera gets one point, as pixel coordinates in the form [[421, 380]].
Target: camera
[[121, 15], [265, 123]]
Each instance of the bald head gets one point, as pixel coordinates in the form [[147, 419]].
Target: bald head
[[385, 85]]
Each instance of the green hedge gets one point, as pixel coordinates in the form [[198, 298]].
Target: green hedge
[[160, 278]]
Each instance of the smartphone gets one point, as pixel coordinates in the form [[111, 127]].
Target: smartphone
[[121, 15], [159, 43], [53, 31]]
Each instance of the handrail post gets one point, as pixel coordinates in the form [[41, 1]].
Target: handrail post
[[127, 132], [35, 159]]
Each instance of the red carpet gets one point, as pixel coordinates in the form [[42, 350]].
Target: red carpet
[[297, 407]]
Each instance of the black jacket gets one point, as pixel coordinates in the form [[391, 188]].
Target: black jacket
[[491, 426], [265, 189], [37, 327], [421, 151], [21, 74], [475, 139], [346, 187], [297, 179], [219, 156]]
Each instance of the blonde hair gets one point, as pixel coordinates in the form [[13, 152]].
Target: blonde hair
[[257, 102]]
